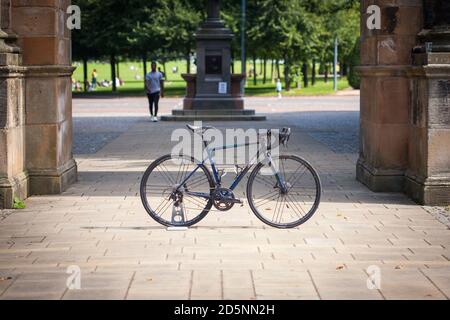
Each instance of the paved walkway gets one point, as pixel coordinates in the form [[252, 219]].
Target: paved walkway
[[100, 227]]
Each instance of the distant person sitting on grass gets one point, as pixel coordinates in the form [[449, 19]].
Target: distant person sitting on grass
[[279, 88], [154, 84]]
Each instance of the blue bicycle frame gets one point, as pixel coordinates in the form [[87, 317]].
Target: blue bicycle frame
[[239, 177]]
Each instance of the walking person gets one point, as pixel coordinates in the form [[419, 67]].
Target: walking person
[[94, 79], [279, 88], [154, 84]]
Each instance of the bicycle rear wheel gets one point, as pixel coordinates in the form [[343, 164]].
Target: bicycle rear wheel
[[180, 209], [284, 209]]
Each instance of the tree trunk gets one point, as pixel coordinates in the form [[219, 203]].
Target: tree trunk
[[165, 71], [305, 75], [118, 69], [341, 69], [188, 63], [85, 74], [265, 71], [144, 62], [254, 71], [261, 67], [272, 70], [313, 75], [113, 72], [287, 79], [326, 72], [278, 69]]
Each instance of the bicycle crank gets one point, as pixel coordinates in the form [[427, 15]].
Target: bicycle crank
[[224, 199]]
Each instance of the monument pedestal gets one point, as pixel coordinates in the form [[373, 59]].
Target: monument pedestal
[[213, 108]]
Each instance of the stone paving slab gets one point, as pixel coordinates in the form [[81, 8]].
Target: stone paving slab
[[100, 226]]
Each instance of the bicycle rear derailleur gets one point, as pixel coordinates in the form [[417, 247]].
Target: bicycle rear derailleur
[[224, 199]]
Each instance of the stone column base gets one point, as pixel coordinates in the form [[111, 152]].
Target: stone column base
[[379, 180], [11, 188], [43, 182], [429, 192], [230, 103]]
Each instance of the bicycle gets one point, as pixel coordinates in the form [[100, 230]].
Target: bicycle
[[189, 189]]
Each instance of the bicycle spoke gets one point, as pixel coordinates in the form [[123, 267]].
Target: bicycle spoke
[[280, 211], [268, 184], [294, 203], [180, 172], [162, 205], [296, 171], [154, 189], [157, 191], [276, 207], [167, 172], [266, 195], [268, 200], [299, 177], [165, 209], [294, 207]]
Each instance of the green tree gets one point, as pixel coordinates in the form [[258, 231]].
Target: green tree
[[178, 22], [82, 41]]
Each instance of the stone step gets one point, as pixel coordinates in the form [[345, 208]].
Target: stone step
[[212, 112], [190, 118]]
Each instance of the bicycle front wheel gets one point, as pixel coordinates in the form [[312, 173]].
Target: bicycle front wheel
[[182, 208], [292, 206]]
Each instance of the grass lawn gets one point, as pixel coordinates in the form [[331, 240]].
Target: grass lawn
[[132, 74]]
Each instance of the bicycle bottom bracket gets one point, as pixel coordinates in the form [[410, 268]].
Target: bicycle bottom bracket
[[224, 199]]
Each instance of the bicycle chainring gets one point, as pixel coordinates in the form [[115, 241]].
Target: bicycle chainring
[[220, 197]]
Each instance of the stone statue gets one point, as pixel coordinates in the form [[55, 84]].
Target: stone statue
[[213, 9]]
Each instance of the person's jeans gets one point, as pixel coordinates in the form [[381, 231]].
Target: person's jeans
[[153, 101]]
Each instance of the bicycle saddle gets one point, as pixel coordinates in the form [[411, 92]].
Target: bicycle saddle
[[198, 128]]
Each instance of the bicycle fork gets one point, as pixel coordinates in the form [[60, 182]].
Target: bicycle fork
[[276, 172]]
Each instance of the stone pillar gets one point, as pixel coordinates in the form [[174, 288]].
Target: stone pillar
[[45, 41], [385, 93], [428, 174], [13, 177]]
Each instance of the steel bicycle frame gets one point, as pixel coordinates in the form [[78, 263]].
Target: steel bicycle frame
[[239, 177]]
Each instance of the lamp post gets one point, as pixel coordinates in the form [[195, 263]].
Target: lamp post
[[243, 53], [335, 86]]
